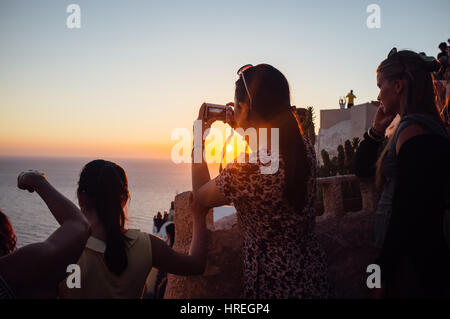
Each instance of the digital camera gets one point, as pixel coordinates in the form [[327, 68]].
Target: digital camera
[[216, 111]]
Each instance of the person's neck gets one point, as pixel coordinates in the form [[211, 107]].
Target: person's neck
[[97, 228]]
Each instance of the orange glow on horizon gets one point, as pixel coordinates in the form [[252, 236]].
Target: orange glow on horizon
[[82, 149]]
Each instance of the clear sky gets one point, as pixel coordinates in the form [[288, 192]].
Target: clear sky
[[136, 70]]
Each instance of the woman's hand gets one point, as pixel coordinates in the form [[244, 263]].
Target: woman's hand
[[206, 123], [229, 119], [196, 208], [30, 180], [381, 121]]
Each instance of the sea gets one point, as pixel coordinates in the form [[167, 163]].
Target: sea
[[153, 185]]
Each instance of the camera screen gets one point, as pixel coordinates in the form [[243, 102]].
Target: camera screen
[[215, 110]]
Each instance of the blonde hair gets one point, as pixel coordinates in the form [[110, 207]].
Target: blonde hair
[[420, 93]]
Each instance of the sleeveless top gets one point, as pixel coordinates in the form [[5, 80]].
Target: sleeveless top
[[389, 171], [96, 279]]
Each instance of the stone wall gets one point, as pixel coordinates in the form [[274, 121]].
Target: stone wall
[[347, 239], [223, 275]]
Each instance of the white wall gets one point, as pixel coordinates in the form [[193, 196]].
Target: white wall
[[341, 125]]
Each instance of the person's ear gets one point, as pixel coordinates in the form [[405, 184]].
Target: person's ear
[[245, 109], [82, 199], [399, 86]]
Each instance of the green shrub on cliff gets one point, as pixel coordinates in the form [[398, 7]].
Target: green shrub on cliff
[[308, 125], [343, 164]]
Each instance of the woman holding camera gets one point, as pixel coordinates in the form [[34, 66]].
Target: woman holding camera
[[281, 256], [414, 176]]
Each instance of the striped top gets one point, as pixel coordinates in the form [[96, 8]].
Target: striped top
[[5, 290]]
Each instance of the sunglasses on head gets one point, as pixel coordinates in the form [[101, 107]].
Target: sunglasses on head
[[240, 72], [394, 54]]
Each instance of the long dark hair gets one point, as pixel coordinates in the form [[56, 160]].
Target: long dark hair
[[421, 93], [105, 184], [271, 101], [8, 238]]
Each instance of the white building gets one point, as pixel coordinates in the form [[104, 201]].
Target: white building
[[339, 125]]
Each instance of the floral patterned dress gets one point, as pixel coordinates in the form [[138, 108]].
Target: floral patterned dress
[[281, 255]]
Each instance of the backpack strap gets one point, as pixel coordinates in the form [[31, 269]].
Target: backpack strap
[[425, 121]]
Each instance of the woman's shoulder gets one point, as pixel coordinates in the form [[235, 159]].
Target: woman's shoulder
[[416, 125], [134, 236], [425, 140], [408, 133], [425, 148]]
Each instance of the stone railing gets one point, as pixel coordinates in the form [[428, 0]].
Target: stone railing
[[333, 200], [346, 238], [223, 275]]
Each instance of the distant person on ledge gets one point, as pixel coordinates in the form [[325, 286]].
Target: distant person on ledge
[[350, 99], [158, 221], [342, 103]]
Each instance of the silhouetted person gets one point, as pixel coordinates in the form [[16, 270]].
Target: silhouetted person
[[158, 221], [116, 261], [350, 99], [444, 51], [172, 211], [443, 60], [35, 270], [8, 238], [342, 103]]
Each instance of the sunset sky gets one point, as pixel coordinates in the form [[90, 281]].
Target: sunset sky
[[136, 70]]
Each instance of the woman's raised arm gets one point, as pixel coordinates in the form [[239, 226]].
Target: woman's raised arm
[[205, 190], [35, 268]]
